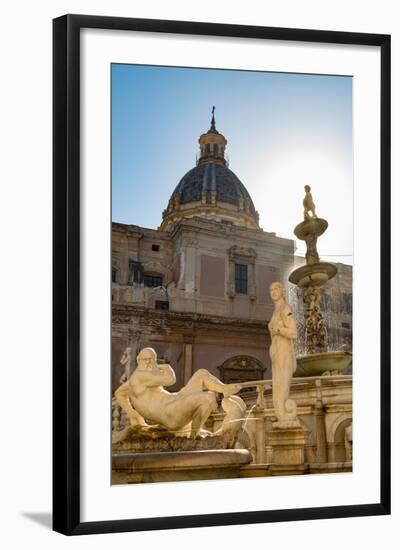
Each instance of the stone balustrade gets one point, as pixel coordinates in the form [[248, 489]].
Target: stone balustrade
[[324, 409]]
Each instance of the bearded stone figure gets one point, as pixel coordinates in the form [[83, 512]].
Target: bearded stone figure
[[148, 404]]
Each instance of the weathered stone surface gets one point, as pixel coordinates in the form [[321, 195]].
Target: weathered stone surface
[[178, 466], [133, 441], [328, 467], [287, 446]]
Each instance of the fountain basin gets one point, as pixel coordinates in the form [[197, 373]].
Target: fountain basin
[[313, 274], [317, 364], [312, 226]]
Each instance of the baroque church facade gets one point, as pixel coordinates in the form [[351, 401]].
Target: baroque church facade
[[196, 288]]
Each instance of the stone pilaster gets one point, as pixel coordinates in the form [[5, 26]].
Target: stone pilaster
[[260, 439], [188, 358], [320, 432]]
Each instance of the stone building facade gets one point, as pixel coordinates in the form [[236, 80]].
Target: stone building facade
[[196, 288]]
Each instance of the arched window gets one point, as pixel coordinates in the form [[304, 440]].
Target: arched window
[[241, 368]]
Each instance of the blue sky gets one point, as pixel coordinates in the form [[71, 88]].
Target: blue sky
[[283, 130]]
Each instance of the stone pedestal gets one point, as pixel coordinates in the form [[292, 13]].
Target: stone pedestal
[[287, 450], [178, 466]]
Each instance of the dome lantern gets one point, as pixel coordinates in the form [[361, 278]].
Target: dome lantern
[[211, 190], [212, 145]]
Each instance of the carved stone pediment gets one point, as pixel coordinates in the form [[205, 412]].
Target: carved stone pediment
[[240, 252], [241, 368]]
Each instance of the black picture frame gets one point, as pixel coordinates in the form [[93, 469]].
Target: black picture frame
[[66, 272]]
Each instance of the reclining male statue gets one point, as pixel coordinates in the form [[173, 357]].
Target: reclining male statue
[[144, 399]]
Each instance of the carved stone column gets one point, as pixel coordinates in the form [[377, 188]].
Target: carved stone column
[[260, 437], [320, 432], [188, 253], [187, 358], [252, 280], [134, 344], [320, 429], [231, 278]]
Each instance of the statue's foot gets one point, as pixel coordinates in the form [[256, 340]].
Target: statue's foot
[[137, 425], [204, 433], [231, 389], [200, 434]]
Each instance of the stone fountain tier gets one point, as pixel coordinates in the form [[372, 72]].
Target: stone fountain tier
[[325, 363], [153, 454], [311, 227], [315, 274], [310, 277], [155, 439]]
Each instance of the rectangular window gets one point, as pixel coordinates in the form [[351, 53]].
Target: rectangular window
[[114, 276], [241, 278], [155, 247], [152, 280], [164, 306]]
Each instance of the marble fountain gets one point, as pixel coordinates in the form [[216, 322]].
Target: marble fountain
[[310, 278]]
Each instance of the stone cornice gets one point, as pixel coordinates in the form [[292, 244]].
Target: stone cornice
[[217, 209], [125, 313], [208, 227], [137, 231], [197, 224]]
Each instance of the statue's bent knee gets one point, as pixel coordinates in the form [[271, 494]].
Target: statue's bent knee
[[202, 372]]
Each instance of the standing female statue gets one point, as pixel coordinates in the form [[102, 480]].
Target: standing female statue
[[283, 332]]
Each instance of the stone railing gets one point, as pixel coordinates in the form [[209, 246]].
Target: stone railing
[[262, 410], [317, 381]]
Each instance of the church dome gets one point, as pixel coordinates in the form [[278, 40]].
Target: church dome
[[211, 190], [209, 178]]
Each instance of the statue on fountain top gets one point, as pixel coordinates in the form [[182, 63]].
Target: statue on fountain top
[[150, 407], [308, 204]]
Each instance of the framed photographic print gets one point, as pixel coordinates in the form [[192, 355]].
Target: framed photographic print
[[221, 274]]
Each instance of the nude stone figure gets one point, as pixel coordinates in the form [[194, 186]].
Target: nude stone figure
[[146, 402], [308, 204], [282, 328]]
